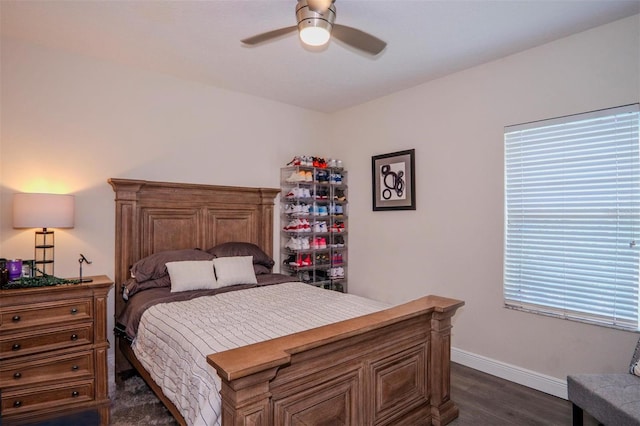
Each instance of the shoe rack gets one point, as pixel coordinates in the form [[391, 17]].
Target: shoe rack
[[314, 220]]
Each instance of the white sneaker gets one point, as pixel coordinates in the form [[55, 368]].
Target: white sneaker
[[332, 273], [294, 244], [304, 243], [292, 226], [293, 177]]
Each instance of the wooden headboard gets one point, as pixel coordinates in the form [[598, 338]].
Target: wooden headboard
[[156, 216]]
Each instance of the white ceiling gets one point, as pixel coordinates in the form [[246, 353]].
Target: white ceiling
[[200, 40]]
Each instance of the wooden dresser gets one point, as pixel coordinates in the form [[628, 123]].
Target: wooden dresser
[[53, 352]]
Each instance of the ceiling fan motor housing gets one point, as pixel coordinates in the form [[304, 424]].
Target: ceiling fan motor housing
[[310, 19]]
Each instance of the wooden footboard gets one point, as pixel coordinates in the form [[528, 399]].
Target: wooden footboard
[[387, 368]]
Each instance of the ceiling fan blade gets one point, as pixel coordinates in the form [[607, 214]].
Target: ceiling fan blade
[[358, 39], [260, 38]]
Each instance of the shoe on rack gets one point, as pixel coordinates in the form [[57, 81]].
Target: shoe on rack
[[308, 176], [291, 260], [294, 193], [322, 176], [322, 243], [294, 162], [304, 244], [292, 226], [339, 195], [304, 260], [293, 244]]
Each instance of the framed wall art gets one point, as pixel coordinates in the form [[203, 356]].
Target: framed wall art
[[393, 179]]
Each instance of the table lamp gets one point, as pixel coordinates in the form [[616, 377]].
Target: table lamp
[[32, 210]]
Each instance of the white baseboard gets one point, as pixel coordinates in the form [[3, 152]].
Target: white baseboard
[[547, 384]]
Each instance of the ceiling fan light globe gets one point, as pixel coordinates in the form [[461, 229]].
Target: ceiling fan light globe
[[314, 36]]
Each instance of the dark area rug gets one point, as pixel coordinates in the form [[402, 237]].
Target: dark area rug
[[135, 404]]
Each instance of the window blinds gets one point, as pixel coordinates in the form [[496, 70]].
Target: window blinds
[[572, 228]]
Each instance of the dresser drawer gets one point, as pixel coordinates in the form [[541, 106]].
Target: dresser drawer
[[54, 312], [46, 339], [39, 369], [37, 398]]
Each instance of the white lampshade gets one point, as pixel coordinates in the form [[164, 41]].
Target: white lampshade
[[32, 210]]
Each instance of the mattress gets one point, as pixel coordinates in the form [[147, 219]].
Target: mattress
[[173, 339]]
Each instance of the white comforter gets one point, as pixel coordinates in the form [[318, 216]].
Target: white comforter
[[174, 338]]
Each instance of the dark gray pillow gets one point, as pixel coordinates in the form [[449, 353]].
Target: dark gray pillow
[[154, 266], [262, 262]]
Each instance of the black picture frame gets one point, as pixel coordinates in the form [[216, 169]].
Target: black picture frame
[[393, 181]]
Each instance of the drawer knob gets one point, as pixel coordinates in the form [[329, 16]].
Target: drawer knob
[[15, 347], [74, 311], [17, 404], [74, 337], [74, 368], [17, 375], [75, 394], [16, 318]]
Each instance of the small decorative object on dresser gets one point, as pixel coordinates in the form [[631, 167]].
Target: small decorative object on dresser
[[53, 352]]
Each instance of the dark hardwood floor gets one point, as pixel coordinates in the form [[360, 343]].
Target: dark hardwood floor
[[484, 399]]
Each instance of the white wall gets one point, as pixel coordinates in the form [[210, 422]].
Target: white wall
[[69, 123], [452, 244]]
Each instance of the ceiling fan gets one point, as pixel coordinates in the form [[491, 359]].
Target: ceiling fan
[[316, 25]]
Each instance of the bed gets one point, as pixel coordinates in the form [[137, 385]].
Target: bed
[[390, 366]]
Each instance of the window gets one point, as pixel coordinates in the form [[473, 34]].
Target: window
[[572, 217]]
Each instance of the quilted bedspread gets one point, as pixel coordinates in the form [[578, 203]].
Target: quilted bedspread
[[174, 338]]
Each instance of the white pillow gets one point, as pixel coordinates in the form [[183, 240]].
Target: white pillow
[[234, 270], [191, 275]]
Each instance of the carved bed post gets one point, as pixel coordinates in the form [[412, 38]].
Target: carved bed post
[[443, 410], [266, 214], [126, 230], [247, 401]]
